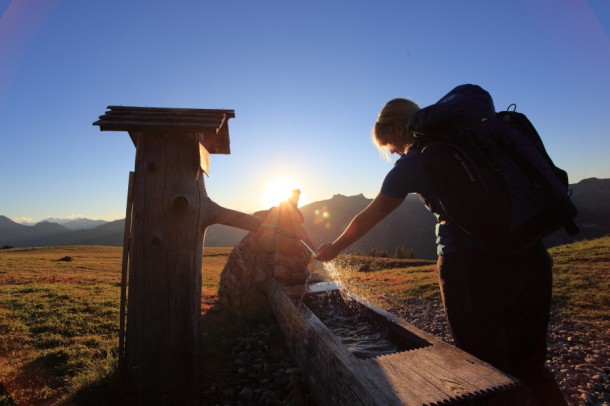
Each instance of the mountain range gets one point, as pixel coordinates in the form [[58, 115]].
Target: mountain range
[[74, 223], [410, 226]]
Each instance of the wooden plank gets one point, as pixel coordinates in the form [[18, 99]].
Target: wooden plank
[[428, 367], [199, 121], [117, 115], [446, 362], [215, 121], [168, 112], [433, 383], [228, 112], [204, 157], [153, 125], [124, 264], [406, 383]]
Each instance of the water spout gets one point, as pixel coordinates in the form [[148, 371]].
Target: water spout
[[232, 218]]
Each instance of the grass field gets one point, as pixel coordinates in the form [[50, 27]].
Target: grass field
[[59, 319]]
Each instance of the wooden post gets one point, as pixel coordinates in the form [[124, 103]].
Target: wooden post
[[165, 280], [169, 215]]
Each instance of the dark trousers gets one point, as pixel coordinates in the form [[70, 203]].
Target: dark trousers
[[498, 310]]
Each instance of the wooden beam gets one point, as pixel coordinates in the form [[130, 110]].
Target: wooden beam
[[231, 113]]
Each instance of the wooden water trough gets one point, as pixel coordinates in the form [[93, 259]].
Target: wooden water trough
[[421, 370]]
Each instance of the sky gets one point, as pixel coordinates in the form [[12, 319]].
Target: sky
[[306, 81]]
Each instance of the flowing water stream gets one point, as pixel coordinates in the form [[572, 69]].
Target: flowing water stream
[[358, 334]]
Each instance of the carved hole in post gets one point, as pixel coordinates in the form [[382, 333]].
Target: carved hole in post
[[180, 203]]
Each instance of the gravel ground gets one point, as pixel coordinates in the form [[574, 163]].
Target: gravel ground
[[262, 374], [578, 356], [266, 375]]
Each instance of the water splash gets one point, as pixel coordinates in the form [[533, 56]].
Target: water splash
[[323, 277]]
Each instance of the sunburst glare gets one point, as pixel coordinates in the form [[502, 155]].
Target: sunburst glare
[[279, 189]]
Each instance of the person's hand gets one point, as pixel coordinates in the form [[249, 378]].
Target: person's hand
[[327, 252]]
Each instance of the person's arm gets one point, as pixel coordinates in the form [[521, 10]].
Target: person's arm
[[362, 223]]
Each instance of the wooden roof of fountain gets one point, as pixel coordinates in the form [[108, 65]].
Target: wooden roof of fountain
[[213, 124]]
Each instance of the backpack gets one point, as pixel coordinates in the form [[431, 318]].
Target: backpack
[[493, 177]]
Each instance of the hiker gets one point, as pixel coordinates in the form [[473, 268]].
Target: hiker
[[497, 305]]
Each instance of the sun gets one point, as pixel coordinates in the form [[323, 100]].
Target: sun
[[279, 189]]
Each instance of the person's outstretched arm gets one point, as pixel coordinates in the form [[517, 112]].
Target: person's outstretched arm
[[362, 223]]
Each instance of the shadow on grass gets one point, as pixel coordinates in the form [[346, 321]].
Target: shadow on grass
[[218, 333], [108, 390]]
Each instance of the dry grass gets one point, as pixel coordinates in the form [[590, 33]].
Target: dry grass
[[59, 320], [581, 286]]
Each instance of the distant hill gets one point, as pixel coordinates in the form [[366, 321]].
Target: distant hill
[[411, 225], [49, 234], [592, 199], [12, 233], [78, 223]]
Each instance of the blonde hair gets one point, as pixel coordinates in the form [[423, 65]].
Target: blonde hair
[[391, 119]]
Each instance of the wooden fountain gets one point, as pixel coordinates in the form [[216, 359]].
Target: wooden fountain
[[406, 365], [168, 212]]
